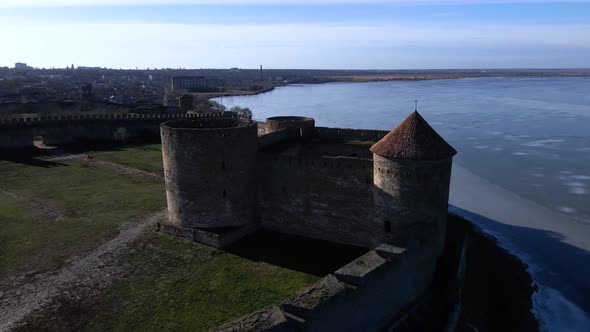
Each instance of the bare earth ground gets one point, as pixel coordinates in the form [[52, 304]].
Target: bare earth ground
[[85, 274]]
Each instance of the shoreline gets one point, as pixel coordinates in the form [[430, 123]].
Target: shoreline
[[441, 76], [555, 247], [391, 78]]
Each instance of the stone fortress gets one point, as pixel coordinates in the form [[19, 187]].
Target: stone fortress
[[228, 176], [382, 195]]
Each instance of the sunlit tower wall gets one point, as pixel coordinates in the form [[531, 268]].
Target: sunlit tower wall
[[209, 169], [412, 174]]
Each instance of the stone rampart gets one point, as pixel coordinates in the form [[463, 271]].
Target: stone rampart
[[19, 132], [300, 126], [364, 295], [349, 134], [52, 119], [274, 137], [328, 198]]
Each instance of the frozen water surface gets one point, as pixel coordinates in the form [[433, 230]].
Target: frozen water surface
[[523, 161]]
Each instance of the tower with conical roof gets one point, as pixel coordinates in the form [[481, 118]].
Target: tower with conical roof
[[412, 173]]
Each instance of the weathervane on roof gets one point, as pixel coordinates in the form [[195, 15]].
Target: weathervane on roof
[[416, 107]]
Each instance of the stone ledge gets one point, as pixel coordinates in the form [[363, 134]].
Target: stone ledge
[[217, 238], [390, 252], [268, 320], [334, 300], [327, 290], [357, 271]]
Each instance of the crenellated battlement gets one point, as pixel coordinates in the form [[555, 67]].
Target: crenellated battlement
[[349, 134], [319, 162], [66, 119]]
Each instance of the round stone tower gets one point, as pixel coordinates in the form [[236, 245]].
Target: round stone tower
[[209, 168], [412, 174]]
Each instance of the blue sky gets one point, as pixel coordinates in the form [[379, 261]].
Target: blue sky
[[340, 34]]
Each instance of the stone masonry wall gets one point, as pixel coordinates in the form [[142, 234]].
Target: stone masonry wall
[[18, 132], [209, 168], [274, 137], [412, 197], [364, 295], [349, 134], [327, 198]]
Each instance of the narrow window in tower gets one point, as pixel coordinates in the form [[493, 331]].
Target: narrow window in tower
[[223, 165], [387, 226], [224, 193]]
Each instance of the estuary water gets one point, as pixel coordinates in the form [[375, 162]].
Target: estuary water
[[522, 172]]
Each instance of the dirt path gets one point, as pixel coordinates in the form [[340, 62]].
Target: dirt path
[[117, 168], [125, 170], [40, 210], [8, 193], [75, 280], [66, 157]]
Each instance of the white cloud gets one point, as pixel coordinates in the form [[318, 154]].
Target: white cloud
[[73, 3]]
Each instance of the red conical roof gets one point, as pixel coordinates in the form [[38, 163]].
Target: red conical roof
[[414, 139]]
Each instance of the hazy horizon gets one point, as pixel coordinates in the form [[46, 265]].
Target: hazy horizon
[[325, 34], [549, 69]]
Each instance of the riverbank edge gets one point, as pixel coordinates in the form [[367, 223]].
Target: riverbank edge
[[377, 78], [509, 280]]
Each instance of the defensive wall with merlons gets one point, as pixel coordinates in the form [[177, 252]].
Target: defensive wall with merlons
[[19, 132]]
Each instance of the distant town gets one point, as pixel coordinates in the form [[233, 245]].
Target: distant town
[[73, 89]]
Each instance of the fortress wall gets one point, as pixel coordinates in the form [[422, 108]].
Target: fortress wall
[[364, 295], [40, 119], [387, 289], [349, 134], [70, 132], [18, 132], [273, 138], [299, 126], [327, 198]]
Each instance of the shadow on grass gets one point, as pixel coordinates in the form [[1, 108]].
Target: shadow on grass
[[30, 157], [297, 253], [33, 156]]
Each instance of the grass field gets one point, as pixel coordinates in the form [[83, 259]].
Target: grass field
[[52, 213], [180, 286], [145, 157], [65, 210]]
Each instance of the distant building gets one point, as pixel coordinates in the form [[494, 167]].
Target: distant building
[[170, 100], [214, 83], [196, 83], [21, 66], [185, 103], [189, 83]]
